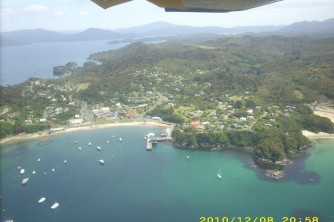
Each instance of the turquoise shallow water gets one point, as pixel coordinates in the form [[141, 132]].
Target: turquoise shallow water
[[161, 185]]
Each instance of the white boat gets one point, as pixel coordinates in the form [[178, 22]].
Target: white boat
[[33, 172], [220, 175], [89, 143], [22, 171], [55, 205], [53, 169], [38, 159], [41, 200], [120, 139], [65, 161], [98, 148], [18, 167], [101, 161], [188, 157], [79, 148], [75, 142], [25, 180], [108, 141]]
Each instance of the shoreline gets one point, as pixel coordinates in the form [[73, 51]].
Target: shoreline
[[315, 136], [38, 135]]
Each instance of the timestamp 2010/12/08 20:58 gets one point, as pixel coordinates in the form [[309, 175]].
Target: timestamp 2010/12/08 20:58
[[258, 219]]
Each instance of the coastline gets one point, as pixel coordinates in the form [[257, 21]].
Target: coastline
[[314, 136], [38, 135], [323, 110]]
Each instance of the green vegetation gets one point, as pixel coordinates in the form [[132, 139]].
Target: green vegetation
[[230, 92]]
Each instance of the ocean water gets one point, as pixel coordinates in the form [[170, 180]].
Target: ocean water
[[159, 185], [19, 63]]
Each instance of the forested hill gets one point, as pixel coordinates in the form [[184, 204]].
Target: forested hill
[[227, 92], [280, 69]]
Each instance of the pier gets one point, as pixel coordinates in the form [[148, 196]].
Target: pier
[[153, 139]]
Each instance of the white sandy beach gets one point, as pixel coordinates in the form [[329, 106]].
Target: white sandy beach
[[23, 137], [324, 111]]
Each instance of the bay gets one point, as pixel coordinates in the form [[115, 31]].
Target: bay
[[159, 185], [19, 63]]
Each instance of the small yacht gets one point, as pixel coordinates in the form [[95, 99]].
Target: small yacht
[[22, 171], [55, 205], [107, 141], [38, 159], [188, 157], [53, 169], [101, 161], [33, 172], [41, 200], [79, 147], [65, 161], [75, 142], [220, 175], [98, 148], [120, 139], [89, 144], [25, 180], [18, 167]]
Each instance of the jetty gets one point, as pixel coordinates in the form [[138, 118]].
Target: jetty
[[152, 139]]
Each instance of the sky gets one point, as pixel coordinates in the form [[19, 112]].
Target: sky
[[76, 15]]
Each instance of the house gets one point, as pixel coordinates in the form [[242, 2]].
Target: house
[[156, 118], [75, 122], [242, 119], [196, 124], [130, 114]]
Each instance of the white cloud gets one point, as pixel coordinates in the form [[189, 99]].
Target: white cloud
[[83, 13], [36, 9], [58, 13], [6, 11]]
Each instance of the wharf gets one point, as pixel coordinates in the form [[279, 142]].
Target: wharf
[[151, 140]]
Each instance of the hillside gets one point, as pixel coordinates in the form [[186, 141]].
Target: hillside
[[246, 92]]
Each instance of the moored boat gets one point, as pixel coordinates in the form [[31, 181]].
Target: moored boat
[[41, 200], [101, 161], [25, 180], [55, 205]]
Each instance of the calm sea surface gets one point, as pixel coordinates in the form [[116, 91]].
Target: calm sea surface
[[161, 185], [19, 63]]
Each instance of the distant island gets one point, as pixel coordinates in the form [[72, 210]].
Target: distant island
[[255, 94]]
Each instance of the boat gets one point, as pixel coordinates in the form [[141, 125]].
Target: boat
[[38, 159], [18, 167], [65, 161], [120, 139], [79, 148], [55, 205], [101, 161], [53, 169], [188, 157], [220, 175], [98, 148], [22, 171], [25, 180], [33, 172], [41, 200], [89, 143], [75, 142], [107, 141]]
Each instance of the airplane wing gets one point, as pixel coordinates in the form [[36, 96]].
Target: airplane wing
[[196, 5]]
